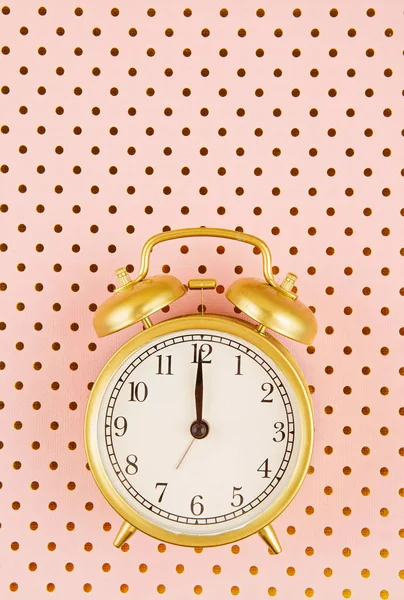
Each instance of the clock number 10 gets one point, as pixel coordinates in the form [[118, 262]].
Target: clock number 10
[[138, 392]]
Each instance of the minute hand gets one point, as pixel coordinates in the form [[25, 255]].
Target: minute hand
[[199, 390]]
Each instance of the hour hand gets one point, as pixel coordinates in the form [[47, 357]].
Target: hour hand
[[199, 428]]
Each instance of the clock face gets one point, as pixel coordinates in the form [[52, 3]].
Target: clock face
[[199, 431]]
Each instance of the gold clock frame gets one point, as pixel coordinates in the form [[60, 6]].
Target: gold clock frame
[[284, 361]]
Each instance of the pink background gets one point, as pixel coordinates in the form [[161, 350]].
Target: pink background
[[56, 538]]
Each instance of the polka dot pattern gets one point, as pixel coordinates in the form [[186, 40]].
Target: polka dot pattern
[[279, 119]]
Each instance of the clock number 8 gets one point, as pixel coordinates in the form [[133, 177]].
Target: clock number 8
[[131, 467]]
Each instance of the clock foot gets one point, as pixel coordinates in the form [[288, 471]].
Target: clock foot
[[270, 538], [124, 533]]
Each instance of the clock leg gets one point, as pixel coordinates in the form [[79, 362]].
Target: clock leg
[[270, 538], [124, 533]]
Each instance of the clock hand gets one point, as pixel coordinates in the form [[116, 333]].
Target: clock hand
[[186, 452], [199, 428], [199, 389]]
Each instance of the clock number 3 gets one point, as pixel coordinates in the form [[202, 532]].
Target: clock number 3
[[131, 467], [280, 434]]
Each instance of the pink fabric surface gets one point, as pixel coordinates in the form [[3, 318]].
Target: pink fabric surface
[[356, 480]]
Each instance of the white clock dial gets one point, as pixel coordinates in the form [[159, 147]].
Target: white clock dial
[[189, 485]]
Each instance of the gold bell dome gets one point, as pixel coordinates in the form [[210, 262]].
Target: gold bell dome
[[134, 301], [274, 307]]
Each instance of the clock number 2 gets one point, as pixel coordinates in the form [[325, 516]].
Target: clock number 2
[[131, 467], [269, 388], [138, 392]]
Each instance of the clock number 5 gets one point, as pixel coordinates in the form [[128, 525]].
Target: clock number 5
[[197, 507], [138, 392], [239, 497]]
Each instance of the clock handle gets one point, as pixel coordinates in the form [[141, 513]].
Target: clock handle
[[210, 232]]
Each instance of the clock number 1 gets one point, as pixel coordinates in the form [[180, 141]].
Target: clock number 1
[[238, 372]]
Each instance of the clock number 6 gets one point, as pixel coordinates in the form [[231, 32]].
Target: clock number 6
[[131, 467], [197, 508]]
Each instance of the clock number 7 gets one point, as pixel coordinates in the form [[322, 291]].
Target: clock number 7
[[164, 486]]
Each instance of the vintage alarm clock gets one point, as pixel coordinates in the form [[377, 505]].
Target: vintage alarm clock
[[199, 429]]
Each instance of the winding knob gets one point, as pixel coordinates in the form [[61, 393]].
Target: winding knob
[[289, 281]]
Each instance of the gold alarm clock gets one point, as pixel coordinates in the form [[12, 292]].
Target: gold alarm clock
[[199, 429]]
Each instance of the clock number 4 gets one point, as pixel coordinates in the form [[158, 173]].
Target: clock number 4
[[203, 352], [138, 392], [131, 467], [264, 468], [161, 361]]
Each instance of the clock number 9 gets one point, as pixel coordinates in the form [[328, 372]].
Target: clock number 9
[[197, 508], [131, 467], [121, 428], [138, 392]]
